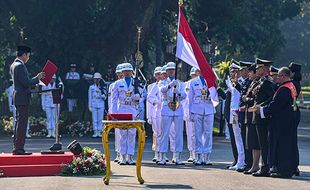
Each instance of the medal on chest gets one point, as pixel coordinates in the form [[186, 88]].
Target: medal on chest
[[128, 93], [203, 92]]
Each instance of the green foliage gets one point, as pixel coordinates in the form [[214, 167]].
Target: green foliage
[[6, 125], [305, 88]]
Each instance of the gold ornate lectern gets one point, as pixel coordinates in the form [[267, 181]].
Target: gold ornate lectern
[[107, 126]]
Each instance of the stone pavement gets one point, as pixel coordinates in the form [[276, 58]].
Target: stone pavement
[[169, 176]]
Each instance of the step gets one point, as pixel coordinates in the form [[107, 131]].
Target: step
[[35, 159], [30, 170]]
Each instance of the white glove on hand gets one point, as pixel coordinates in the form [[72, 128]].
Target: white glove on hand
[[176, 90], [90, 108], [191, 117], [43, 108], [103, 96], [11, 108], [173, 83], [149, 121], [136, 97]]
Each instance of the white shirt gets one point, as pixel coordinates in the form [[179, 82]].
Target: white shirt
[[166, 94], [199, 98]]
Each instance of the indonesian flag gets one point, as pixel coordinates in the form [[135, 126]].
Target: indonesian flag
[[189, 51]]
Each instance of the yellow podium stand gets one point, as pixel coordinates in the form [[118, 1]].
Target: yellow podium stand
[[107, 126]]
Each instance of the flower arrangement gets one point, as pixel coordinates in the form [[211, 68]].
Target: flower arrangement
[[80, 128], [90, 162], [6, 125]]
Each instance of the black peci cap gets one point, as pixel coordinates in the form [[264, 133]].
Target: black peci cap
[[24, 49]]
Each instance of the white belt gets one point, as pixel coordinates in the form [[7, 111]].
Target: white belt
[[129, 103], [202, 98], [168, 99]]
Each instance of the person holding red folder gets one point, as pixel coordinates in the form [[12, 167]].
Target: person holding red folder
[[21, 97]]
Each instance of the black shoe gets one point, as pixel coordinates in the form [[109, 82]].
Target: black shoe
[[21, 152], [241, 169], [281, 175], [296, 172], [261, 173], [248, 172]]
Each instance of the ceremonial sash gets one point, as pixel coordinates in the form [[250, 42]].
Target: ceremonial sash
[[292, 88]]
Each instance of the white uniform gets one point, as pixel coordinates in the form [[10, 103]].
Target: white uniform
[[202, 114], [50, 108], [96, 100], [124, 101], [189, 126], [117, 131], [9, 92], [71, 101], [153, 113], [234, 107], [169, 116]]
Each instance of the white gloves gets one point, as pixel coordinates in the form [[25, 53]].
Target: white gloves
[[43, 108], [103, 96], [90, 108], [176, 90], [149, 121], [136, 97], [191, 117], [173, 83]]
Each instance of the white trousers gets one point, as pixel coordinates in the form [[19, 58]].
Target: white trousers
[[166, 123], [127, 141], [97, 116], [203, 125], [156, 133], [71, 104], [117, 134], [239, 143], [190, 134], [50, 117], [172, 137]]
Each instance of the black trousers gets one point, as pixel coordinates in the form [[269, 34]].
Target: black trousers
[[233, 143], [21, 127], [262, 132], [247, 151]]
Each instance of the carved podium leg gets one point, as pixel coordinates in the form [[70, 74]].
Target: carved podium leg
[[141, 141], [105, 141]]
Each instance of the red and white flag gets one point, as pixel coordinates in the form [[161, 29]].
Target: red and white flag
[[188, 50]]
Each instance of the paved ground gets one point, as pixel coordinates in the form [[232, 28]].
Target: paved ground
[[169, 176]]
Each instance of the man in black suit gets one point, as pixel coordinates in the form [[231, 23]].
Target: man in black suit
[[21, 96]]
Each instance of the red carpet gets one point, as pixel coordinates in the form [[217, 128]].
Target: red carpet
[[36, 164]]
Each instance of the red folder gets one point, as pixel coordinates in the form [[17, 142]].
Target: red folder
[[49, 69], [120, 116]]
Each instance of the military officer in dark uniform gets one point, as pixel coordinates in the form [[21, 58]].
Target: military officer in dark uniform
[[281, 110], [21, 96], [263, 95], [252, 143]]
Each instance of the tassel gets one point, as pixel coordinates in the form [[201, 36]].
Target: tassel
[[294, 104]]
